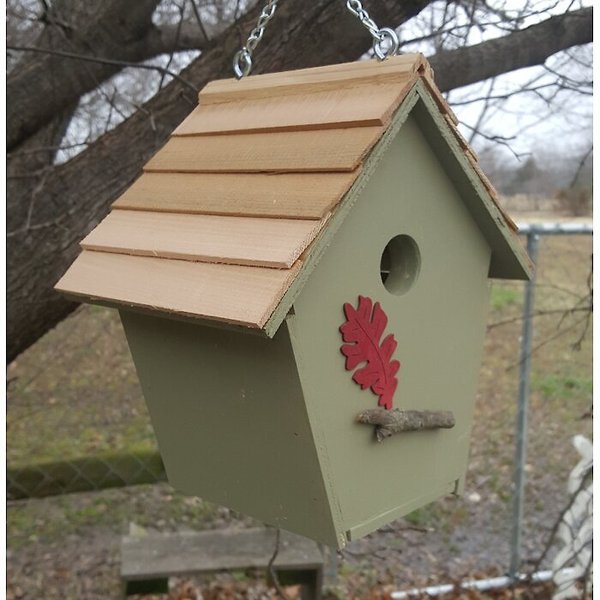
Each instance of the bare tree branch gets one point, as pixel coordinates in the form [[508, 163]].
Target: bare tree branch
[[111, 28], [104, 61], [79, 193], [525, 48], [84, 188]]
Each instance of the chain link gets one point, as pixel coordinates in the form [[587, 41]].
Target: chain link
[[385, 40], [242, 61]]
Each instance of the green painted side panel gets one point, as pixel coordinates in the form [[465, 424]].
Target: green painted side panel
[[439, 325], [231, 422]]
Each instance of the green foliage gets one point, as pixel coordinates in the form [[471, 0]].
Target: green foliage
[[503, 296], [555, 386], [423, 517]]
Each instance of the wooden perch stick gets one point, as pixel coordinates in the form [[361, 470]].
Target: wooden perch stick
[[388, 422]]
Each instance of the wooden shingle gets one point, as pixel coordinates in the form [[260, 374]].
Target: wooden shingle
[[362, 106], [284, 195], [275, 243], [228, 217], [323, 150], [231, 293]]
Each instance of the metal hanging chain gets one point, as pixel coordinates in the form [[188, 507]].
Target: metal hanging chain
[[385, 40], [242, 61]]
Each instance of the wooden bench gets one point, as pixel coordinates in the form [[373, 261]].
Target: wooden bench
[[147, 561]]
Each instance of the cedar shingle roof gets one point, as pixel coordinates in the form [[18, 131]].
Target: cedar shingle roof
[[222, 219]]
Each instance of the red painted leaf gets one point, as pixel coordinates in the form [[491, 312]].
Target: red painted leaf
[[362, 331]]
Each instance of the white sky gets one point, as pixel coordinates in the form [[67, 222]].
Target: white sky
[[531, 124]]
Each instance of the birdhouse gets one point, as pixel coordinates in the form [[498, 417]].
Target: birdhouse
[[302, 275]]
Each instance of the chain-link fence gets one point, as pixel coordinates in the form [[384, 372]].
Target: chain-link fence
[[580, 302], [84, 475], [76, 418]]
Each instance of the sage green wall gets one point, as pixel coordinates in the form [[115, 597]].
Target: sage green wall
[[267, 427], [438, 324], [230, 420]]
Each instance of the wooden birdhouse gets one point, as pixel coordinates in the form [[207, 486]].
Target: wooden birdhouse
[[309, 249]]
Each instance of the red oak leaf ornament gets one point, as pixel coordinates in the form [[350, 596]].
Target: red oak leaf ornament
[[362, 331]]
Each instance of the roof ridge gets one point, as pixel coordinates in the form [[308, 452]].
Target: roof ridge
[[397, 68]]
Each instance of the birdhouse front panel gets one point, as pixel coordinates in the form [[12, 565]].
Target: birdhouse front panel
[[434, 291], [305, 246]]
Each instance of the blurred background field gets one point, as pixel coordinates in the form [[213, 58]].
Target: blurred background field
[[75, 394]]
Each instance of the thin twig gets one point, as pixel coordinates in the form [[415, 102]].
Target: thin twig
[[199, 19], [538, 313], [558, 334], [271, 568], [586, 576], [176, 43], [104, 61]]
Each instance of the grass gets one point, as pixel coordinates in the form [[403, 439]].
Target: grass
[[83, 399], [503, 296], [562, 387], [110, 510], [423, 517]]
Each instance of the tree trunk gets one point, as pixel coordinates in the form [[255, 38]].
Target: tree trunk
[[75, 196], [42, 85], [524, 48], [78, 194]]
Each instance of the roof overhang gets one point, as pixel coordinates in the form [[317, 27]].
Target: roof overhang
[[509, 259], [232, 215]]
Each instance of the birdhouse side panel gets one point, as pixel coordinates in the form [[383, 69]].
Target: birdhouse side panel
[[230, 420], [409, 245]]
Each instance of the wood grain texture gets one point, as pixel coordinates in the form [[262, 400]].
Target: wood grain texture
[[464, 144], [275, 243], [230, 293], [188, 552], [440, 100], [489, 186], [286, 195], [361, 106], [312, 80], [473, 160], [389, 422], [287, 151]]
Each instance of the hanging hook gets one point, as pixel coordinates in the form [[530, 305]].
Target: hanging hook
[[385, 40], [386, 44], [242, 63]]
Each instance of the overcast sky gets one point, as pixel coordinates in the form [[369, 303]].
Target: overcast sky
[[530, 123]]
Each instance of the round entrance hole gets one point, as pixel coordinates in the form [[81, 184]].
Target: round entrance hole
[[400, 264]]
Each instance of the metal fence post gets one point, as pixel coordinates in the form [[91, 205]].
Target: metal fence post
[[521, 429]]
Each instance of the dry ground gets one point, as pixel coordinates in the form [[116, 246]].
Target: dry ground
[[76, 393]]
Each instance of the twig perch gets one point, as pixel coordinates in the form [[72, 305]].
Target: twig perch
[[388, 422]]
